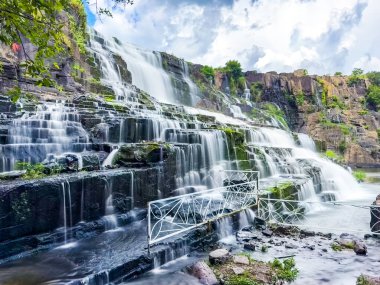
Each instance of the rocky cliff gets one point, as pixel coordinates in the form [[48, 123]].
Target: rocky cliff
[[328, 108]]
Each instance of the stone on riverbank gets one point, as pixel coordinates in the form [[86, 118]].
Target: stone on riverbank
[[204, 273], [219, 256]]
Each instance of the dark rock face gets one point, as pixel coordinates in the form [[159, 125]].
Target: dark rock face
[[375, 216], [37, 206]]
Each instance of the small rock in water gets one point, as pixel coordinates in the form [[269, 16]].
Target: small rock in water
[[307, 233], [324, 249], [219, 256], [360, 248], [238, 270], [267, 233], [259, 222], [240, 259], [245, 235], [204, 273], [291, 246], [250, 246]]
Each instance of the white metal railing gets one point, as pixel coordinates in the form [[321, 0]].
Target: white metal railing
[[172, 216], [335, 217]]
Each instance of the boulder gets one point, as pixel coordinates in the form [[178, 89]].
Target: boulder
[[219, 256], [267, 233], [238, 270], [250, 246], [360, 248], [203, 273], [240, 259]]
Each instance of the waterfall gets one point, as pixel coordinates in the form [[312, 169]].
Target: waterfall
[[306, 142], [146, 69], [53, 129], [66, 192], [110, 217]]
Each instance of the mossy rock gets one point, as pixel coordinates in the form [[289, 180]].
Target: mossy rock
[[286, 190], [146, 153]]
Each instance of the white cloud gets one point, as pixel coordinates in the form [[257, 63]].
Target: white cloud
[[323, 36]]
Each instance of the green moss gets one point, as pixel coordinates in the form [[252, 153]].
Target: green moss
[[243, 279], [285, 190]]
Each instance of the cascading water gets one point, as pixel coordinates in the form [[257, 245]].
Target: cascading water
[[146, 68], [53, 129]]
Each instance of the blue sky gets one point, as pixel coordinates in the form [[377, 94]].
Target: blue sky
[[323, 36]]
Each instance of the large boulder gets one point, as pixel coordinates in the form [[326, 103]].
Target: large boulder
[[219, 256], [203, 273]]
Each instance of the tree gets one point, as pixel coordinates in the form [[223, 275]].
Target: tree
[[374, 77], [355, 77], [338, 73], [373, 96], [233, 69], [39, 22], [208, 71]]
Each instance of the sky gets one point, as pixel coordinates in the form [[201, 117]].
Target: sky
[[322, 36]]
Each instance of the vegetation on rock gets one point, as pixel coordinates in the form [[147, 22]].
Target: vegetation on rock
[[359, 175]]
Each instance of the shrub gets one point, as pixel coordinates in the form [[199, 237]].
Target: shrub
[[285, 270], [331, 154], [355, 77], [233, 69], [256, 91], [300, 98], [33, 171], [208, 72], [359, 175], [374, 77], [373, 96]]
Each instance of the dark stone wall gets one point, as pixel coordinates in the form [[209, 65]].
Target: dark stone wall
[[37, 206]]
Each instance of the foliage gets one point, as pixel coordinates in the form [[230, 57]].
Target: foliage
[[33, 171], [324, 92], [14, 94], [378, 134], [208, 72], [362, 280], [282, 190], [285, 270], [359, 175], [233, 69], [336, 247], [300, 98], [243, 279], [335, 102], [342, 146], [374, 77], [233, 89], [363, 112], [331, 155], [256, 89], [373, 96], [355, 77], [41, 23], [241, 82], [264, 248], [338, 73]]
